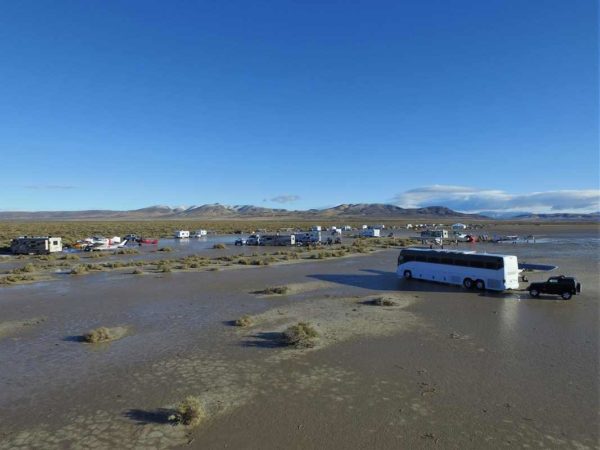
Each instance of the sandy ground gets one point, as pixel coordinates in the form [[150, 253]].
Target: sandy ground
[[442, 368]]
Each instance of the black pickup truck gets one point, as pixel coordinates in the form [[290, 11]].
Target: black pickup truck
[[560, 285]]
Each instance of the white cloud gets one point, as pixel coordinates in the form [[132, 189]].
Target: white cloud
[[285, 199], [467, 199]]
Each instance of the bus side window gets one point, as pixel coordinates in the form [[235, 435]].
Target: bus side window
[[447, 261], [420, 258], [478, 264]]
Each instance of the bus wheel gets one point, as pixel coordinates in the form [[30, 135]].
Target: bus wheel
[[479, 284], [407, 274], [468, 283]]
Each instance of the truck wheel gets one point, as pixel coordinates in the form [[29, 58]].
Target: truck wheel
[[407, 274], [566, 295], [479, 284], [534, 293], [468, 283]]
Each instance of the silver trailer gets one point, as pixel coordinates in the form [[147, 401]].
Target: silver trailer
[[307, 238], [278, 239], [36, 245]]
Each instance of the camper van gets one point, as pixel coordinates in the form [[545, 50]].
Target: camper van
[[370, 232], [200, 233], [182, 234], [36, 245]]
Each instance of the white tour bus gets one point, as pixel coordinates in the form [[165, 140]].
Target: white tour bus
[[467, 268]]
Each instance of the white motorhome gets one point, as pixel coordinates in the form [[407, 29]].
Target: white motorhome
[[466, 268], [371, 232], [316, 228], [278, 239], [36, 245], [200, 233], [182, 234]]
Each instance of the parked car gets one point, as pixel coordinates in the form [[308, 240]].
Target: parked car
[[253, 239], [240, 241], [560, 285]]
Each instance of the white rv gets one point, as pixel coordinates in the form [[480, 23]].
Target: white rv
[[200, 233], [182, 234], [372, 232], [36, 245]]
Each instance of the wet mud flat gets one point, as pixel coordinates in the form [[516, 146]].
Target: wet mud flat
[[439, 367]]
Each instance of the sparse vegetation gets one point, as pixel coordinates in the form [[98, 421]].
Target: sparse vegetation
[[16, 279], [244, 321], [383, 301], [78, 270], [274, 290], [165, 249], [101, 334], [189, 412], [219, 246], [301, 335], [137, 271], [126, 251]]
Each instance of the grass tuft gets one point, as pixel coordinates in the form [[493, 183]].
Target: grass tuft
[[219, 247], [274, 290], [98, 335], [301, 335], [244, 321], [382, 301], [189, 412]]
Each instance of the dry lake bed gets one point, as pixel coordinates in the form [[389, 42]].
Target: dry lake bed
[[426, 366]]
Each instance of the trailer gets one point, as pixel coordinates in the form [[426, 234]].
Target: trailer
[[36, 245], [278, 239], [182, 234], [200, 233], [308, 238], [370, 232]]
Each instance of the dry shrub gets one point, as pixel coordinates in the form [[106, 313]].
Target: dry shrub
[[382, 301], [137, 271], [165, 249], [274, 290], [244, 321], [78, 270], [101, 334], [219, 246], [189, 412], [301, 335]]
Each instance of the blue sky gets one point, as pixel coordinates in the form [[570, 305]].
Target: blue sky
[[126, 104]]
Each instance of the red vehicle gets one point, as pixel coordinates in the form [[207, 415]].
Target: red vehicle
[[148, 241]]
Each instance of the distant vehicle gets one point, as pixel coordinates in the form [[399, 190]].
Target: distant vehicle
[[181, 234], [253, 239], [132, 238], [278, 239], [240, 241], [558, 285], [308, 238], [200, 233], [466, 268], [36, 245], [147, 241], [108, 244], [370, 232]]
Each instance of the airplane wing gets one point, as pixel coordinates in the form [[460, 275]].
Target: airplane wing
[[526, 267]]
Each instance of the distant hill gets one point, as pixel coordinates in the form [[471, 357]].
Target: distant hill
[[559, 216], [217, 211]]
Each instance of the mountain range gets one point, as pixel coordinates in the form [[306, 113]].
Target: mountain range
[[217, 211]]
